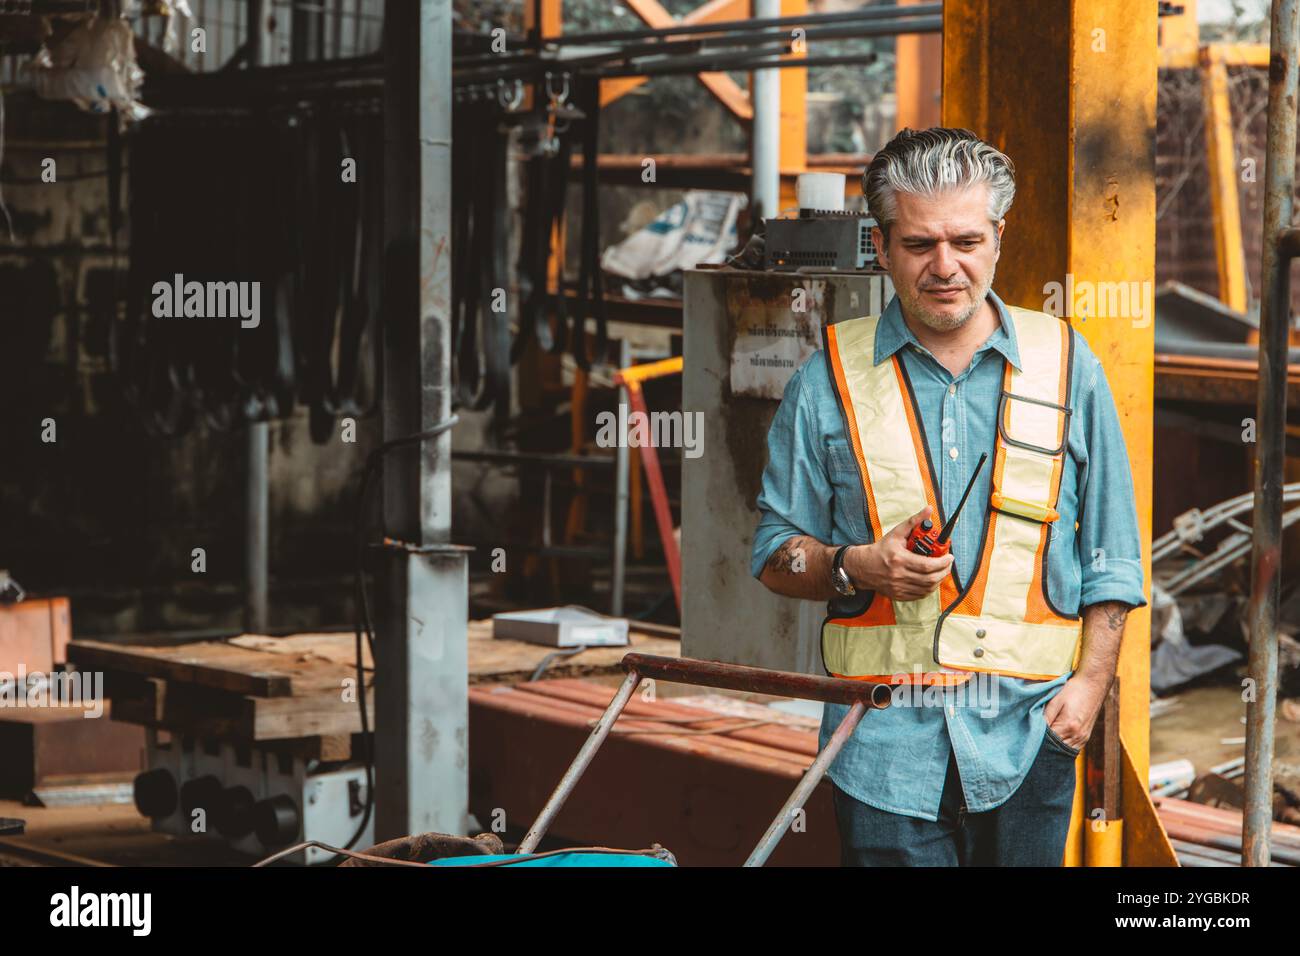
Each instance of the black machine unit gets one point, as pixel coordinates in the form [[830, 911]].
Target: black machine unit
[[821, 241]]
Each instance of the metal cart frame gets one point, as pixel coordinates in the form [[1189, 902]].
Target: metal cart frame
[[861, 696]]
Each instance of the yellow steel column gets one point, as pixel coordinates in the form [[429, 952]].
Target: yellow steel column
[[794, 115], [1222, 162], [918, 74], [1068, 89], [1181, 30]]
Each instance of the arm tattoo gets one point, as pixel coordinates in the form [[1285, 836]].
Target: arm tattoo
[[1116, 613], [783, 558]]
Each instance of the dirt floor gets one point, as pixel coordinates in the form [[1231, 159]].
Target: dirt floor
[[113, 833], [1203, 717]]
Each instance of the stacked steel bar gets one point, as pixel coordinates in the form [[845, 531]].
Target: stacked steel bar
[[1211, 836]]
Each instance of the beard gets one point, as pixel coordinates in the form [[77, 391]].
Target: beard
[[914, 306]]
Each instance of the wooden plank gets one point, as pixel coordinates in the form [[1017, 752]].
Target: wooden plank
[[333, 648], [220, 688], [275, 718], [204, 712], [212, 664], [200, 711]]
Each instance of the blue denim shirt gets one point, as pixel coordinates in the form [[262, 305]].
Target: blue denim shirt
[[897, 757]]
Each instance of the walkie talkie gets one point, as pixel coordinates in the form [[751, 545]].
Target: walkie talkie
[[924, 540]]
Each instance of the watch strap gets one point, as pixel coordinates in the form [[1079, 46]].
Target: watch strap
[[837, 567]]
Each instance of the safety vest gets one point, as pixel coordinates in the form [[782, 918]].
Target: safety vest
[[1002, 620]]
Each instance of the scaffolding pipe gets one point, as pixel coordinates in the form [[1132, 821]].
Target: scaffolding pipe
[[1279, 246], [765, 144], [726, 26]]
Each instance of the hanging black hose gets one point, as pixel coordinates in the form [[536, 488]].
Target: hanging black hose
[[284, 203], [480, 236], [545, 192], [590, 300]]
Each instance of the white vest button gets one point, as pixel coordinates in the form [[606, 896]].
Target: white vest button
[[979, 652]]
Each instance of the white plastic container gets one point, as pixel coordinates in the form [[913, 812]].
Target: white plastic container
[[821, 191]]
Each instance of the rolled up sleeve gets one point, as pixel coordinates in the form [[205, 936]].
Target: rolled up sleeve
[[1110, 549], [796, 493]]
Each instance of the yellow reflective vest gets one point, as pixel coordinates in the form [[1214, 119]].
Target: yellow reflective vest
[[1002, 621]]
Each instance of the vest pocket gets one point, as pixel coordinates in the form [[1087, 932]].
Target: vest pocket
[[846, 481]]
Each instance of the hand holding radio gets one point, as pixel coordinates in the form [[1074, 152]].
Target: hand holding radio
[[910, 561], [890, 568]]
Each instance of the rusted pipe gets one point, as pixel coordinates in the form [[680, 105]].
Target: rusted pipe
[[1279, 246], [758, 680]]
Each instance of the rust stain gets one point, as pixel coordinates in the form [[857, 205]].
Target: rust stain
[[1269, 560], [1276, 68], [1111, 200]]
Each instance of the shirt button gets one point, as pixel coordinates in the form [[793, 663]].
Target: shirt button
[[952, 389], [979, 652], [981, 632], [952, 453]]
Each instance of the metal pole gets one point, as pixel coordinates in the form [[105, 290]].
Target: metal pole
[[703, 29], [260, 37], [806, 785], [421, 654], [580, 763], [765, 146], [1275, 322], [257, 510], [622, 482], [307, 33], [257, 528]]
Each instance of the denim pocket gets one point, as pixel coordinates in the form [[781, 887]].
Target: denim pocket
[[1054, 739]]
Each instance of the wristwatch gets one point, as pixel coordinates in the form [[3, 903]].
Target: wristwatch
[[840, 577]]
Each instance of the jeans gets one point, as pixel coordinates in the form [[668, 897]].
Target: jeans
[[1029, 829]]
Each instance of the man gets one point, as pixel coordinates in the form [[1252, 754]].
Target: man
[[1004, 649]]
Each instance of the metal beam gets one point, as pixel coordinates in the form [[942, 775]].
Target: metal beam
[[719, 84], [421, 666]]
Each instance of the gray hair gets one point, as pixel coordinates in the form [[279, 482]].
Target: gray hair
[[930, 161]]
